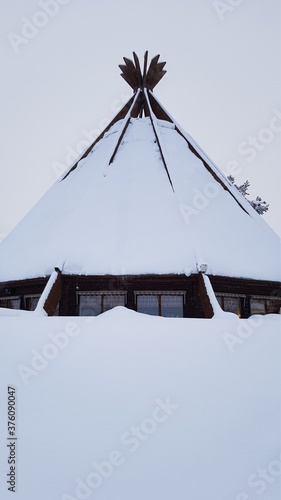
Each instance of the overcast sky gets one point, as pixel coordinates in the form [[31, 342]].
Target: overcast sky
[[60, 84]]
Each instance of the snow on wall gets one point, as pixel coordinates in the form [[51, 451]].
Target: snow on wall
[[128, 406], [125, 219]]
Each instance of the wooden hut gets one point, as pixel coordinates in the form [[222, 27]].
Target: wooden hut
[[137, 221]]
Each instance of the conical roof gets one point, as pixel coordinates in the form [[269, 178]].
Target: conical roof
[[144, 198]]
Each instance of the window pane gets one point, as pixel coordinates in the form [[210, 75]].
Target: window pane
[[257, 306], [10, 303], [33, 301], [220, 301], [172, 306], [232, 304], [89, 305], [148, 304], [57, 311], [15, 303], [273, 306], [110, 301]]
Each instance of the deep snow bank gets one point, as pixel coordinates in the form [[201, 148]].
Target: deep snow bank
[[127, 406]]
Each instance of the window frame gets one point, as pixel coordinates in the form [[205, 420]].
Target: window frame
[[11, 297], [30, 296], [100, 294], [238, 296], [159, 294], [265, 298]]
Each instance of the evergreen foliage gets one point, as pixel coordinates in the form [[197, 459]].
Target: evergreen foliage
[[258, 204]]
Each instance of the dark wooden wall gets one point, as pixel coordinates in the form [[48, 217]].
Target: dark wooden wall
[[71, 285]]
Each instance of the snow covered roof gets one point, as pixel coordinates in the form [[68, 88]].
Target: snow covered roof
[[143, 199]]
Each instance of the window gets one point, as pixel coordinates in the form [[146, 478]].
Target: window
[[10, 302], [220, 301], [30, 302], [257, 306], [167, 304], [230, 302], [89, 305], [265, 305], [172, 306], [148, 304], [93, 304], [27, 303], [273, 306], [110, 301]]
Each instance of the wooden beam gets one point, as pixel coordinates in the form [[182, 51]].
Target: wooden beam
[[194, 150], [159, 112], [119, 140], [138, 68], [204, 298], [54, 295], [155, 73], [133, 111], [154, 125], [122, 113], [145, 68], [129, 73], [210, 170], [138, 106], [51, 294]]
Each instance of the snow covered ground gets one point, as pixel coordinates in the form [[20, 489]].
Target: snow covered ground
[[132, 407]]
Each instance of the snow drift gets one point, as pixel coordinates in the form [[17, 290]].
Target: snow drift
[[128, 406]]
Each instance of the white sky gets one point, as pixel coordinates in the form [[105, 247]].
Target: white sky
[[223, 85]]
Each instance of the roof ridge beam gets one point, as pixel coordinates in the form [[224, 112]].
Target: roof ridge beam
[[157, 109], [119, 116], [124, 128], [157, 135], [198, 151]]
